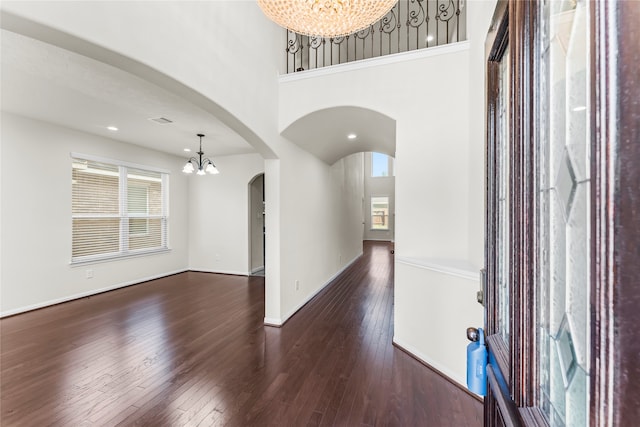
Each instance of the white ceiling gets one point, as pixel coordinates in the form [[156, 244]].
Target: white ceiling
[[55, 85], [324, 132], [48, 83]]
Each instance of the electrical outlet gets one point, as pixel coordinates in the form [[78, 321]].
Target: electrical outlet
[[88, 274], [297, 285], [217, 257]]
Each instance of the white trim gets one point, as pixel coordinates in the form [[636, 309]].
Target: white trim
[[272, 321], [165, 199], [280, 322], [86, 294], [255, 270], [443, 369], [440, 267], [376, 62], [96, 259], [115, 162], [231, 272]]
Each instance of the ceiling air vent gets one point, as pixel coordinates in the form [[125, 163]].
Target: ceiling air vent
[[161, 120]]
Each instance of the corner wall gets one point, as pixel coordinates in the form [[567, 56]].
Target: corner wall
[[348, 190], [219, 215], [36, 216], [321, 226]]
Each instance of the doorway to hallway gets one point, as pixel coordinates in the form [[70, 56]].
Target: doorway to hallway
[[256, 226]]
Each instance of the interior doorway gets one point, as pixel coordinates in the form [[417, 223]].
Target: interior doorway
[[256, 226], [379, 197]]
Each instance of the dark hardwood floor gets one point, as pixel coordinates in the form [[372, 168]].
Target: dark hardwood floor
[[191, 349]]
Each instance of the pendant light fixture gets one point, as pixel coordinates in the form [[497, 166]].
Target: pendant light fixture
[[325, 18], [199, 164]]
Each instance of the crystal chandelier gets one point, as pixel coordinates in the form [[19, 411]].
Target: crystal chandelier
[[325, 18], [202, 165]]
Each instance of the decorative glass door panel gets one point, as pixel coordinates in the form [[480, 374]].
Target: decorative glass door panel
[[502, 166], [562, 226], [563, 200]]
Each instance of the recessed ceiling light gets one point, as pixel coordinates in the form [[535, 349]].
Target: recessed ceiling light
[[187, 150], [580, 108], [352, 136], [112, 128]]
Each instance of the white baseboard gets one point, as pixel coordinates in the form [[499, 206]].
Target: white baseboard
[[270, 321], [280, 322], [86, 294], [255, 270], [438, 366], [231, 272]]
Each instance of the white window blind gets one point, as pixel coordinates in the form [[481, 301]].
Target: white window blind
[[117, 210]]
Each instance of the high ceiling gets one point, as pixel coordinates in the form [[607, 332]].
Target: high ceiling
[[325, 133], [55, 85]]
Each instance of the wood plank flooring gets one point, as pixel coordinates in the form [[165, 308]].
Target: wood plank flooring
[[191, 349]]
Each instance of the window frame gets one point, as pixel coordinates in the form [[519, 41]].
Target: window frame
[[388, 226], [123, 214], [144, 216], [390, 165]]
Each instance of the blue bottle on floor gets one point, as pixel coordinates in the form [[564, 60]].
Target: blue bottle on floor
[[477, 365]]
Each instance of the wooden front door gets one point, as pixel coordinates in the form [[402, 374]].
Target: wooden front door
[[562, 287]]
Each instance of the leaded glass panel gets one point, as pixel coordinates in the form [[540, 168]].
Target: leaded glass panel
[[563, 202]]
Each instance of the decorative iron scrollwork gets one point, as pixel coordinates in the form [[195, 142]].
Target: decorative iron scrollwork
[[409, 25], [315, 42], [389, 21], [446, 11], [363, 34], [416, 14], [294, 42], [338, 40]]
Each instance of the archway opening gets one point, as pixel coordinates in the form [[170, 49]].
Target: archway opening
[[256, 226]]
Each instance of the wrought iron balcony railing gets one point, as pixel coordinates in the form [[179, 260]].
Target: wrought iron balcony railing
[[409, 25]]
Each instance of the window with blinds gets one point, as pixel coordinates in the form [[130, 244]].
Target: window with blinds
[[117, 210]]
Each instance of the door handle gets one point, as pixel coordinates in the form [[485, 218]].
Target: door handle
[[483, 286], [472, 334]]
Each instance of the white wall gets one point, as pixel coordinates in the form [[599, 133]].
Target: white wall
[[219, 215], [439, 184], [432, 183], [379, 186], [36, 216], [313, 247], [348, 189], [435, 314]]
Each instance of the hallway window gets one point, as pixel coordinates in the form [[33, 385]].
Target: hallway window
[[117, 210], [380, 213], [380, 165]]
